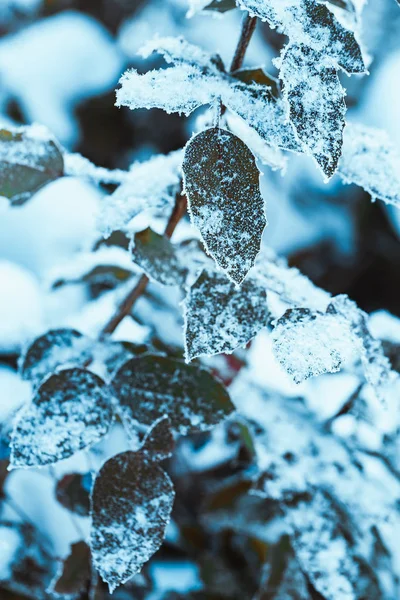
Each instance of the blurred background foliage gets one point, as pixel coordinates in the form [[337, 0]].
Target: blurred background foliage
[[60, 62]]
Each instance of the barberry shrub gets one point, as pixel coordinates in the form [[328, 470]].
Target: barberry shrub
[[288, 507]]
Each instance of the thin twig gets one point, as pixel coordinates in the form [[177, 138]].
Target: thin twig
[[125, 308], [248, 27]]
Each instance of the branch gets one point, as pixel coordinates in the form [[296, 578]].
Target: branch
[[125, 308], [248, 27]]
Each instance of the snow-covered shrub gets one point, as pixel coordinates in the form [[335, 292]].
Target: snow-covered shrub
[[262, 442]]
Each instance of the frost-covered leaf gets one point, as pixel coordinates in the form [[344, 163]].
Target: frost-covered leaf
[[152, 184], [221, 180], [308, 343], [57, 347], [371, 161], [377, 367], [176, 89], [29, 158], [70, 411], [150, 386], [196, 79], [75, 572], [316, 101], [311, 23], [157, 256], [256, 105], [219, 317], [326, 551], [158, 443], [132, 500], [72, 491]]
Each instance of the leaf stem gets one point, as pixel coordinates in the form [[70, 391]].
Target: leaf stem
[[125, 308]]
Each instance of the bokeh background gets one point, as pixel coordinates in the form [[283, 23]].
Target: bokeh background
[[60, 62]]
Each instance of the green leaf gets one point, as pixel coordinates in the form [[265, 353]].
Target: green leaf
[[221, 181], [29, 159], [70, 411], [132, 500], [219, 317], [156, 255], [150, 386], [75, 573]]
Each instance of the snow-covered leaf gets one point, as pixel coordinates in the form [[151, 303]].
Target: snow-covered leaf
[[308, 343], [219, 317], [150, 386], [57, 347], [70, 411], [221, 180], [326, 551], [371, 161], [180, 88], [377, 367], [311, 23], [316, 101], [75, 572], [29, 158], [158, 443], [132, 500], [156, 255], [196, 79], [152, 184]]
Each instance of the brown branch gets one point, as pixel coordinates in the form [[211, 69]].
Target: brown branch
[[125, 308], [248, 27]]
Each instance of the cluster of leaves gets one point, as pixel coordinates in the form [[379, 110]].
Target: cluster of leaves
[[299, 470]]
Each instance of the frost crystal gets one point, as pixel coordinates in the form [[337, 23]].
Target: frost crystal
[[219, 317], [308, 343], [71, 411], [150, 185], [149, 387], [221, 180], [132, 500], [371, 161]]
